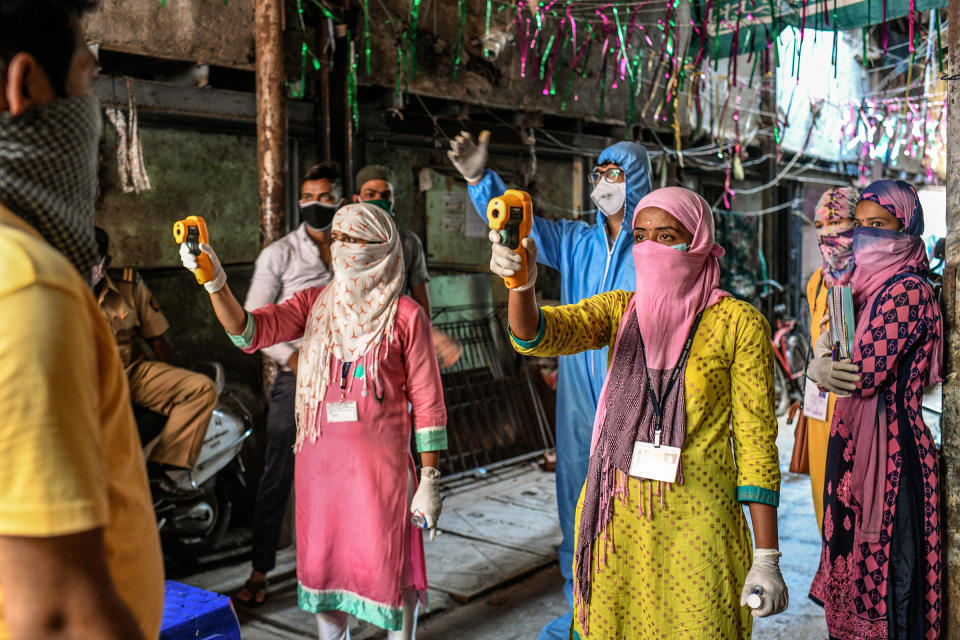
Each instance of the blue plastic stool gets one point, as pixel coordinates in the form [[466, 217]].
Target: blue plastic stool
[[190, 613]]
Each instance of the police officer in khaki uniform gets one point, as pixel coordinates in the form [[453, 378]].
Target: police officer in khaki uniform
[[185, 397]]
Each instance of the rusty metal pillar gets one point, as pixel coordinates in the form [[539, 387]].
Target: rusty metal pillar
[[271, 119], [271, 133], [950, 461]]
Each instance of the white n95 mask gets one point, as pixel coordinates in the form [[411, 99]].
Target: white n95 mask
[[609, 196]]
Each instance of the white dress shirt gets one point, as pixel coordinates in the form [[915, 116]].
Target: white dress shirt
[[289, 265]]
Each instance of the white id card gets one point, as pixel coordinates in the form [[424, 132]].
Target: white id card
[[655, 463], [814, 400], [342, 412]]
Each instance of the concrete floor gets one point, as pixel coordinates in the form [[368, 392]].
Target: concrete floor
[[491, 578]]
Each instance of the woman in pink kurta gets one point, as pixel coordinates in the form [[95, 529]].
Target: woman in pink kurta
[[367, 374]]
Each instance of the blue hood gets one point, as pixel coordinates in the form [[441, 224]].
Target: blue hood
[[635, 162]]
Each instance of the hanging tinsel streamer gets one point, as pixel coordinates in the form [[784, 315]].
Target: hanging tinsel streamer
[[885, 27], [735, 46], [486, 28], [545, 56], [936, 12], [352, 81], [775, 22], [803, 28], [910, 22], [400, 57], [632, 66], [836, 40], [366, 36], [414, 26], [461, 30], [716, 39]]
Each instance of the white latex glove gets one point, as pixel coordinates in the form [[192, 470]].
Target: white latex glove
[[469, 157], [190, 262], [427, 501], [840, 376], [505, 263], [764, 578]]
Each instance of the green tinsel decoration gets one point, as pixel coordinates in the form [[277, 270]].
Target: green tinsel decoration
[[352, 82], [486, 28], [414, 25], [546, 54], [939, 44], [753, 70], [461, 30], [366, 36]]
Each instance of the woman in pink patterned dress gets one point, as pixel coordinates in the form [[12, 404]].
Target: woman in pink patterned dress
[[880, 573], [367, 356]]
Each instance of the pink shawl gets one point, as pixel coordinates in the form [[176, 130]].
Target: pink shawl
[[674, 286]]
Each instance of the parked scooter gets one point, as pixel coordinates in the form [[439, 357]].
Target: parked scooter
[[200, 524]]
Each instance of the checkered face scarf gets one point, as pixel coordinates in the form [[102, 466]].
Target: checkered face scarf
[[48, 173], [352, 319]]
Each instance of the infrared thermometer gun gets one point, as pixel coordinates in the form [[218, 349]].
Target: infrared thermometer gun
[[192, 230], [512, 216]]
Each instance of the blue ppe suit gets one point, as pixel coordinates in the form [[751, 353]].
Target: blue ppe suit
[[588, 265]]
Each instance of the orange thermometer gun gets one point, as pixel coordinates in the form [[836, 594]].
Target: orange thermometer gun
[[193, 231], [512, 216]]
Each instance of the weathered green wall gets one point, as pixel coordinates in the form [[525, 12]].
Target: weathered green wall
[[192, 173], [213, 175], [552, 191]]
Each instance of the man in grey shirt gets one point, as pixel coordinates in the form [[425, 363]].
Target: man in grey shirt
[[375, 185], [297, 261]]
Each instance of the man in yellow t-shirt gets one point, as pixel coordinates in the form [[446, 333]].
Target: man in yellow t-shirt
[[79, 551]]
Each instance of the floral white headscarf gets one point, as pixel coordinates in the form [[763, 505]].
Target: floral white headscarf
[[354, 314]]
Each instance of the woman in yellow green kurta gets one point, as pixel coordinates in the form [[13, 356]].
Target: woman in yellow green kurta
[[670, 558], [834, 222]]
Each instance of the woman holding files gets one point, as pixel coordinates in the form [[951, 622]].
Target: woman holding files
[[880, 573]]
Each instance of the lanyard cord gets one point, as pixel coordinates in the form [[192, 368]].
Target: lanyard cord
[[681, 363], [344, 372]]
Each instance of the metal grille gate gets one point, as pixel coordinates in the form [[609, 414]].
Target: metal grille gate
[[495, 415]]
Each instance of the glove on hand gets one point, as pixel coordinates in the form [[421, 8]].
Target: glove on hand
[[505, 263], [469, 157], [190, 262], [840, 376], [427, 499], [824, 346], [765, 574]]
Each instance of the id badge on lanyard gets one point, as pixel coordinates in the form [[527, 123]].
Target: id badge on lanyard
[[345, 410], [653, 461]]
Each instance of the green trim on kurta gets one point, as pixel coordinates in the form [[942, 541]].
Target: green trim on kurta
[[379, 614], [431, 439], [758, 494], [245, 339], [530, 344]]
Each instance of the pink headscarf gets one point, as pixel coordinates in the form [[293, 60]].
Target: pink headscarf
[[685, 282]]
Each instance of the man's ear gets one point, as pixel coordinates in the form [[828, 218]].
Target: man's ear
[[25, 85], [356, 198]]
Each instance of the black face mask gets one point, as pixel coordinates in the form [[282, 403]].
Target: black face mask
[[318, 215]]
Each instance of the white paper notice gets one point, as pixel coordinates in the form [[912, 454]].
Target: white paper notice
[[453, 223], [476, 226], [814, 401]]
